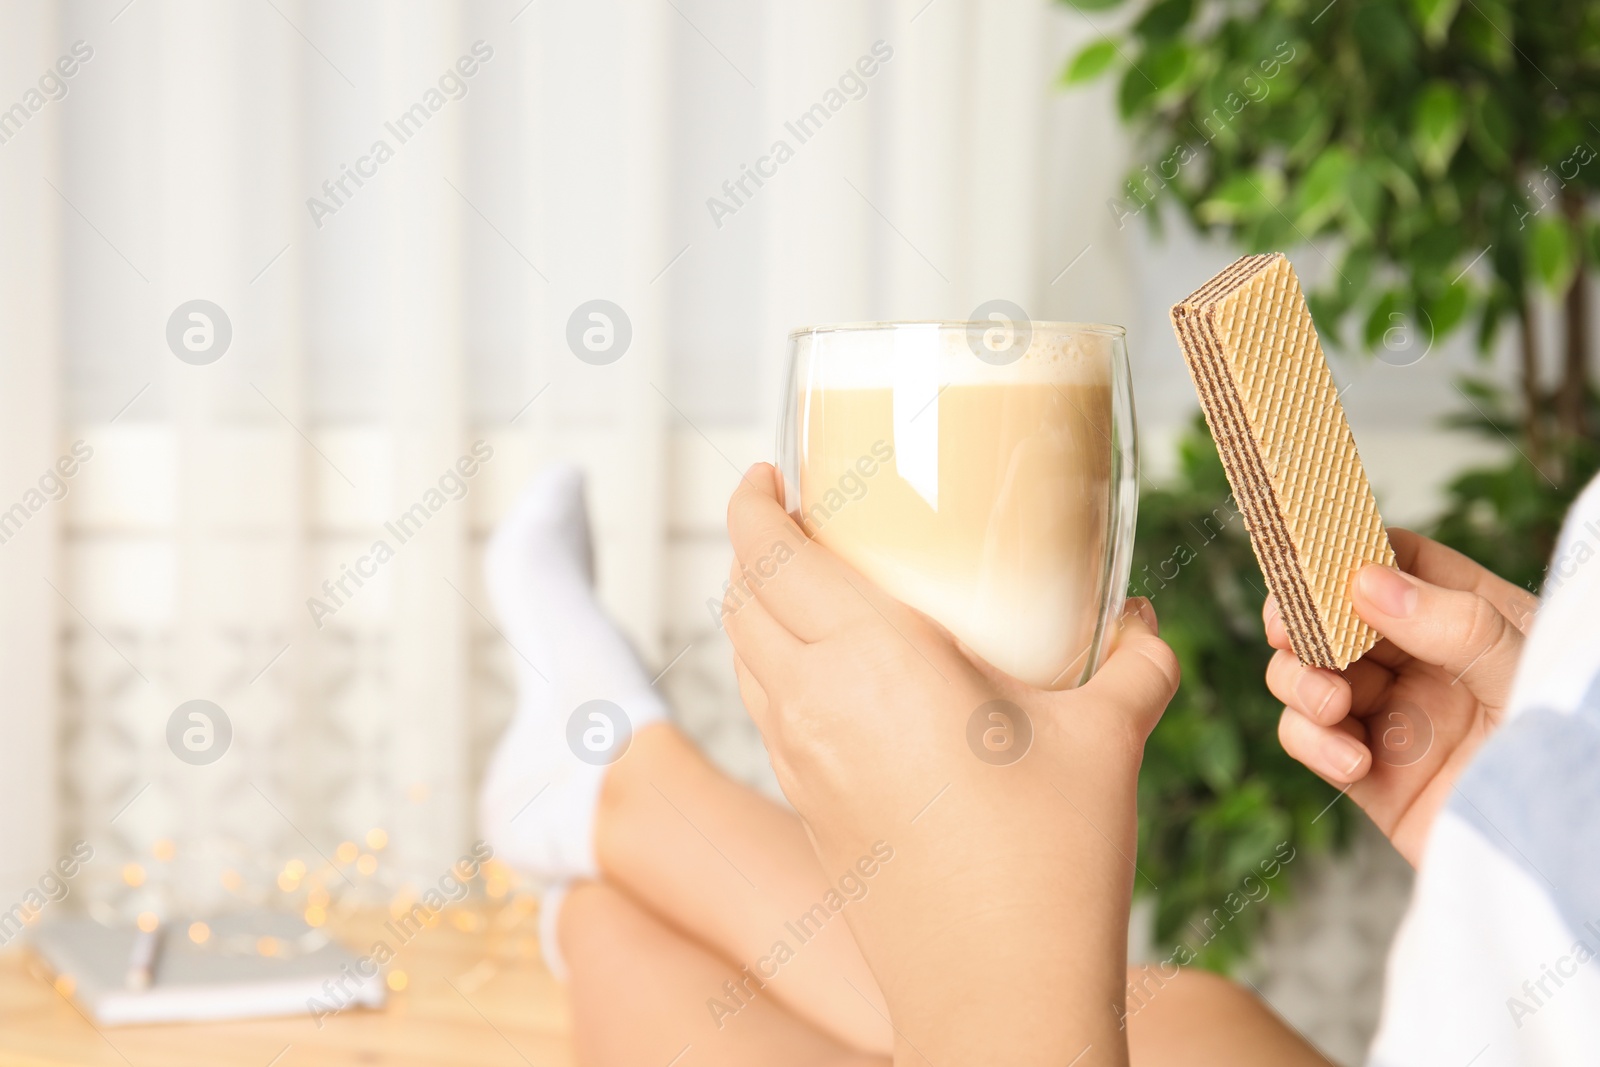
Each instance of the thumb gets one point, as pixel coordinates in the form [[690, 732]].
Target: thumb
[[1140, 676], [1460, 632]]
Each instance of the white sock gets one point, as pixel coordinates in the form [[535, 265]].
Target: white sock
[[549, 943], [543, 784]]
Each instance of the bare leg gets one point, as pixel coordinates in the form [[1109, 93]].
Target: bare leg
[[627, 962], [1200, 1019], [736, 872], [728, 869]]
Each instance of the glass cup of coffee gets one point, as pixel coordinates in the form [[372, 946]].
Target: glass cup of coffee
[[982, 472]]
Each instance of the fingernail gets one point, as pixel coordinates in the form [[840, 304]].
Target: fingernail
[[1145, 610], [1391, 592], [1315, 690], [1341, 755]]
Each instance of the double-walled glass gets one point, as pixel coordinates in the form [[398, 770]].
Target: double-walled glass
[[983, 473]]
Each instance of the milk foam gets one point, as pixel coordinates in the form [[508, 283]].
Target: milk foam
[[863, 358]]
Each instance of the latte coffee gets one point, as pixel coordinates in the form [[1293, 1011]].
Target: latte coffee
[[984, 496]]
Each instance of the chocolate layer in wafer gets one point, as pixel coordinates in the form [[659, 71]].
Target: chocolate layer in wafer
[[1272, 407]]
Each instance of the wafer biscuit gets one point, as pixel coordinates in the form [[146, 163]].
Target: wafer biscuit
[[1287, 450]]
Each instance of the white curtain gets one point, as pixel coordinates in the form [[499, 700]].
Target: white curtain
[[30, 438], [382, 327]]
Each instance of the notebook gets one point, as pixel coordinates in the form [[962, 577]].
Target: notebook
[[226, 977]]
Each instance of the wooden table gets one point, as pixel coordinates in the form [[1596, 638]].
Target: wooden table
[[475, 993]]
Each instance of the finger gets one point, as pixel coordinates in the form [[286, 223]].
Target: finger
[[1146, 611], [1370, 683], [1357, 690], [801, 583], [1272, 619], [1332, 752], [1139, 677], [1461, 632], [1323, 696], [766, 648], [1434, 563], [1388, 655]]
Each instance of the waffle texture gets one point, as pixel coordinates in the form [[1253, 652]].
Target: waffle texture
[[1271, 405]]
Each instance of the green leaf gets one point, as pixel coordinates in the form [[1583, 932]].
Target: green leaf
[[1218, 756], [1092, 5], [1437, 124], [1321, 195], [1488, 32], [1434, 251], [1489, 128], [1355, 273], [1447, 310], [1244, 196], [1168, 66], [1400, 184], [1135, 93], [1384, 37], [1213, 114], [1485, 392], [1164, 20], [1264, 233], [1435, 17], [1307, 129], [1489, 321], [1508, 262], [1363, 202], [1552, 253], [1090, 63], [1387, 314]]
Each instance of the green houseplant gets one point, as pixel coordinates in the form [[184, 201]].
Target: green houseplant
[[1441, 159]]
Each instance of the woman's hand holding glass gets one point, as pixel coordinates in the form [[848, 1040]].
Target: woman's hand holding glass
[[999, 927]]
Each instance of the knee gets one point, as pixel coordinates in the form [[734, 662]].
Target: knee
[[1210, 986], [657, 749], [629, 794], [596, 923], [1182, 986]]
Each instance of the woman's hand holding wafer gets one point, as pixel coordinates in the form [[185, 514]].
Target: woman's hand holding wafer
[[1397, 727]]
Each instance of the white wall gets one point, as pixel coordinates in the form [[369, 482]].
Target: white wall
[[30, 440]]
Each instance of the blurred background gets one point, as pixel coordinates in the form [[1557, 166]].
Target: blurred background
[[269, 268]]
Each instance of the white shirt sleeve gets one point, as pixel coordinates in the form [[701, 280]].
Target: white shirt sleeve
[[1496, 961]]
